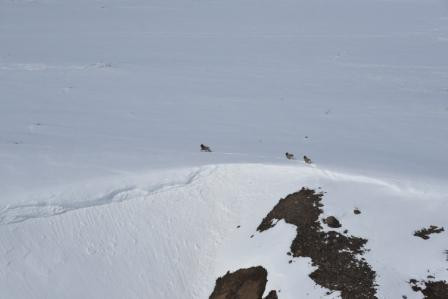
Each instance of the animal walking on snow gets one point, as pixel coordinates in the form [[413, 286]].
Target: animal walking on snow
[[205, 148], [307, 160], [289, 156]]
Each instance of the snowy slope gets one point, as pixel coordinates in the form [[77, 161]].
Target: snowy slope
[[173, 241], [92, 88], [103, 105]]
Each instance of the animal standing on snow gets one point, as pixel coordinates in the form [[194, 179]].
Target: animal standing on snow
[[307, 160], [289, 156], [205, 148]]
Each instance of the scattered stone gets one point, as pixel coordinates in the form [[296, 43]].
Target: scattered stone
[[242, 284], [356, 211], [288, 253], [425, 232], [336, 256], [290, 262], [332, 222], [251, 236], [345, 231], [238, 226]]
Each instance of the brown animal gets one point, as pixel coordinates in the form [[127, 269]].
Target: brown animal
[[289, 156], [205, 148], [307, 160]]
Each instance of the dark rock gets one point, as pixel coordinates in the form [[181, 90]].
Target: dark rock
[[242, 284], [436, 290], [425, 232], [356, 211], [272, 295], [332, 222], [431, 289], [336, 256]]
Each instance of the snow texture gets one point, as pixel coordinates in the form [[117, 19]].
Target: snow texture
[[103, 106]]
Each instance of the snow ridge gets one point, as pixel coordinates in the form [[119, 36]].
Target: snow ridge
[[22, 212], [129, 191]]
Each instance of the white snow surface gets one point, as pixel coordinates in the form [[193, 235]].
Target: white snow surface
[[173, 239], [103, 105]]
